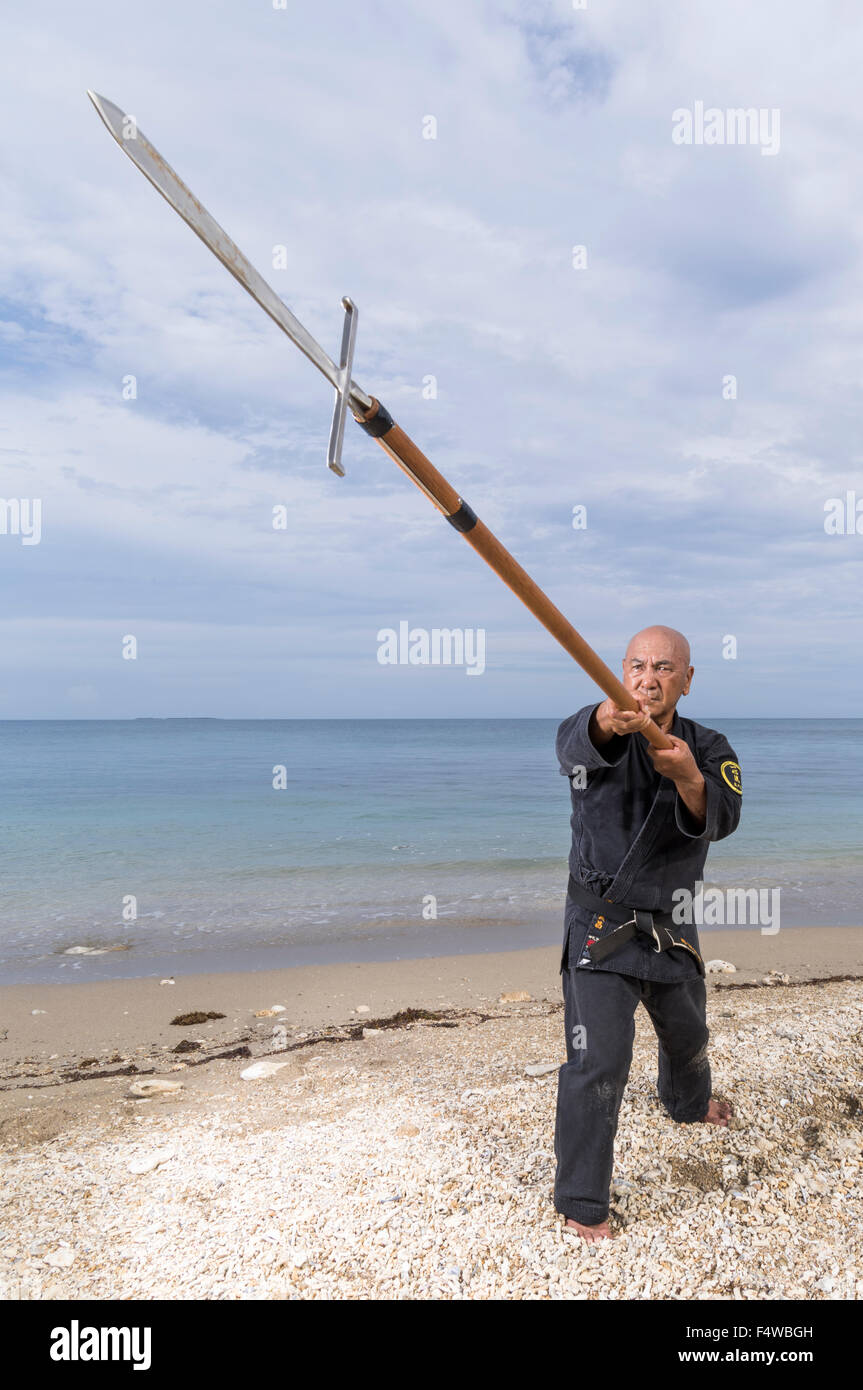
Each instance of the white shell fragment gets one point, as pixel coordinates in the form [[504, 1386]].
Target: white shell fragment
[[720, 967], [259, 1070], [156, 1087], [541, 1068], [61, 1259], [145, 1163]]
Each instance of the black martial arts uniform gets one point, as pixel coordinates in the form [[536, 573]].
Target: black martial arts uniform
[[634, 842]]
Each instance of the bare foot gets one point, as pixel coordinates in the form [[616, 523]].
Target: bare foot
[[718, 1113], [591, 1234]]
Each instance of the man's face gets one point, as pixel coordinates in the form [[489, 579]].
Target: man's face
[[655, 669]]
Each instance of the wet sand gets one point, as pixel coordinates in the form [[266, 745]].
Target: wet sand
[[54, 1028]]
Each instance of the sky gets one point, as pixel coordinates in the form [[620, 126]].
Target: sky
[[690, 379]]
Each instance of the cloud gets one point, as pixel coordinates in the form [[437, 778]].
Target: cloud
[[554, 385]]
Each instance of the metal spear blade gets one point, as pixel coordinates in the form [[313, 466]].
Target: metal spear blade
[[135, 144]]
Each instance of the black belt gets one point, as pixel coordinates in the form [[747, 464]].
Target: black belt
[[632, 922]]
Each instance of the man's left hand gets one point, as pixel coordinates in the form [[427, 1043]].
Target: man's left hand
[[677, 763]]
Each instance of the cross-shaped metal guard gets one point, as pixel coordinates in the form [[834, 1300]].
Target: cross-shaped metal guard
[[340, 409]]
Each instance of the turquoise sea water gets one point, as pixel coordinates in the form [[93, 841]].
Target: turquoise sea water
[[376, 817]]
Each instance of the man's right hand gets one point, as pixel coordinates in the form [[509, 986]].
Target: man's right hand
[[608, 719]]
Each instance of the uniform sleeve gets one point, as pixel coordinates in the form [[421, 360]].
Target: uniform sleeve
[[720, 769], [575, 749]]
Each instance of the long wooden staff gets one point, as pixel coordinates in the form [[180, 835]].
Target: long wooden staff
[[379, 423], [368, 411]]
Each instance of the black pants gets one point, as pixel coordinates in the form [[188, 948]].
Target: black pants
[[599, 1017]]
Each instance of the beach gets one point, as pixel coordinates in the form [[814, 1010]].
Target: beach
[[402, 1145]]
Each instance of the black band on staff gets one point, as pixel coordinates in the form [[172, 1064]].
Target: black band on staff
[[379, 424], [464, 519]]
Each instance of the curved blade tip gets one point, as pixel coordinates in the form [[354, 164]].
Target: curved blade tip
[[111, 115]]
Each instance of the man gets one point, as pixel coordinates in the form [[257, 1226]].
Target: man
[[642, 821]]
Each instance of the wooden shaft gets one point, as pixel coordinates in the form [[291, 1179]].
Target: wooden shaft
[[421, 471], [486, 544]]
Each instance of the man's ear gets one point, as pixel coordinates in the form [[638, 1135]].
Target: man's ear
[[689, 674]]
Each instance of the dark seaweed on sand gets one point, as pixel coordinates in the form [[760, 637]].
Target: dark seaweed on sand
[[184, 1020]]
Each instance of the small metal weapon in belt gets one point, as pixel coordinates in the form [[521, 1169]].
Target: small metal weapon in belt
[[641, 923], [366, 410]]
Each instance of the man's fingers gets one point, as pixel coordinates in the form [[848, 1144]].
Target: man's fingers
[[627, 721]]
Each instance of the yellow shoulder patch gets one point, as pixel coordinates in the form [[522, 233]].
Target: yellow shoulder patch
[[730, 773]]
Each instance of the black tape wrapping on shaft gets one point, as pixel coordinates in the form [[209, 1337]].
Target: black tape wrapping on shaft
[[464, 519], [380, 423]]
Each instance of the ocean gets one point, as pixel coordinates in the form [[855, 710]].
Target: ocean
[[159, 846]]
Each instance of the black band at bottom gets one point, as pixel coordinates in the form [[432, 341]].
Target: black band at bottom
[[464, 519]]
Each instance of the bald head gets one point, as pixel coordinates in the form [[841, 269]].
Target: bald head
[[656, 669], [667, 638]]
